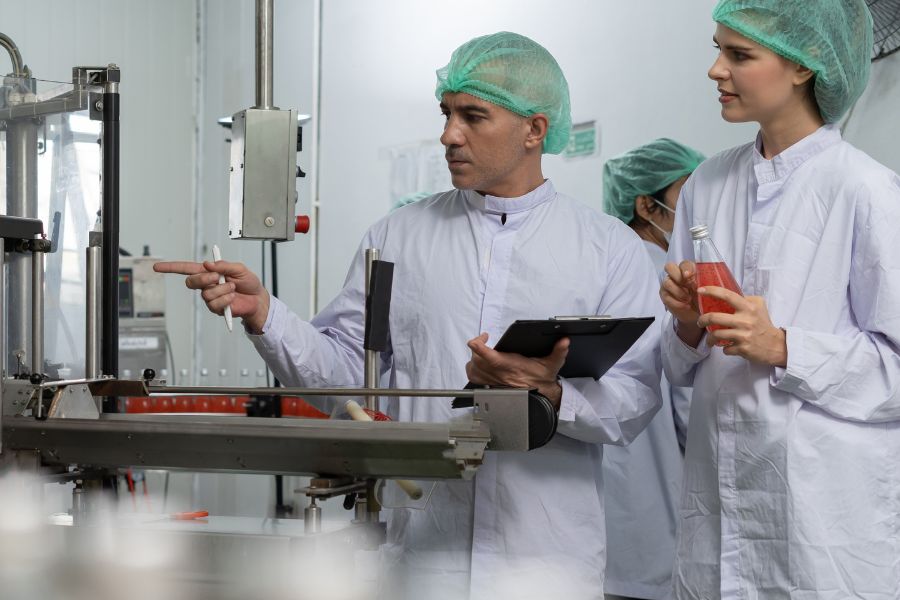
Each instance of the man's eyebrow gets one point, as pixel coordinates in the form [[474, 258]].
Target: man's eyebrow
[[468, 108], [474, 108]]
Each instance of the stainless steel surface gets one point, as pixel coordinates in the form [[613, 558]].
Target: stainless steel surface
[[371, 356], [73, 402], [37, 312], [361, 509], [507, 415], [256, 445], [312, 518], [16, 395], [263, 175], [93, 275], [22, 108], [142, 316], [19, 69], [79, 504], [68, 102], [264, 31], [21, 201], [324, 488]]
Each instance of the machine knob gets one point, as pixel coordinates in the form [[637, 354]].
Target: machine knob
[[149, 375], [301, 225]]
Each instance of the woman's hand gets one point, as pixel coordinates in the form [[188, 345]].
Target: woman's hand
[[749, 332], [678, 293]]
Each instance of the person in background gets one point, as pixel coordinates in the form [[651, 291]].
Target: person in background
[[503, 245], [409, 199], [642, 481], [791, 471]]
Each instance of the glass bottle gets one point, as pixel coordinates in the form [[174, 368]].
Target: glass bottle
[[712, 271]]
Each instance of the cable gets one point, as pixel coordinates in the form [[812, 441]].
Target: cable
[[262, 260]]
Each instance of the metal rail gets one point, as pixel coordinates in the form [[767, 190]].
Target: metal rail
[[294, 391], [255, 445]]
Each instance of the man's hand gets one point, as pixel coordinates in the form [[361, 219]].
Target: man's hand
[[678, 293], [242, 289], [749, 332], [489, 367]]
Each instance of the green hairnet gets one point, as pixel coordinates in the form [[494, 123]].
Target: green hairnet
[[832, 38], [644, 171], [512, 71]]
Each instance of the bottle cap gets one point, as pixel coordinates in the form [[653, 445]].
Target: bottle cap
[[698, 232]]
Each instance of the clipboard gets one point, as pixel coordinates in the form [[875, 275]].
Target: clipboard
[[596, 342]]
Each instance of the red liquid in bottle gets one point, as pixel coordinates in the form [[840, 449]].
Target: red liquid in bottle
[[718, 274]]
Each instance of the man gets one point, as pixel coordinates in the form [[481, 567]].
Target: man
[[502, 246]]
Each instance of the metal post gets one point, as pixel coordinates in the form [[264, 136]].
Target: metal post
[[264, 30], [21, 201], [93, 319], [370, 375], [79, 504], [312, 517], [3, 370], [110, 250], [37, 311], [371, 356]]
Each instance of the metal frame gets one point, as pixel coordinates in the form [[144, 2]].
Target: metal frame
[[21, 116], [21, 235], [255, 445], [330, 448]]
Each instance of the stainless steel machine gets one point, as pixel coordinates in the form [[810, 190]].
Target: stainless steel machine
[[143, 339], [74, 429]]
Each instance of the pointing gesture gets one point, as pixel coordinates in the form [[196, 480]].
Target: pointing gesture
[[242, 290]]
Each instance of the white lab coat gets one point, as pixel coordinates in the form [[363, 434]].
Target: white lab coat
[[642, 486], [792, 476], [532, 523]]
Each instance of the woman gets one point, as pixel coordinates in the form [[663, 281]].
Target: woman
[[791, 470], [642, 480]]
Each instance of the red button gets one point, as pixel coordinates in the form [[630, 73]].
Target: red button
[[301, 225]]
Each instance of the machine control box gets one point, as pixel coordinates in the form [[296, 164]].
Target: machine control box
[[263, 175], [142, 316]]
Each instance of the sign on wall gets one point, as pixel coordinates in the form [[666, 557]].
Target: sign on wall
[[583, 140]]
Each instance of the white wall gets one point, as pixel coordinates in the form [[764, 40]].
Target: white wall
[[153, 44], [227, 83], [874, 124], [638, 68]]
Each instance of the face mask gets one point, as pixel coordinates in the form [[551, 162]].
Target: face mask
[[664, 206], [667, 235]]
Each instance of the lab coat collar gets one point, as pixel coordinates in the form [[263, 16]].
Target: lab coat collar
[[780, 167], [494, 205]]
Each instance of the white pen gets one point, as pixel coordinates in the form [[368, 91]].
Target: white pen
[[217, 256]]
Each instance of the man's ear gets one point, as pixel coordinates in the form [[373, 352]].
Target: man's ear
[[537, 130]]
